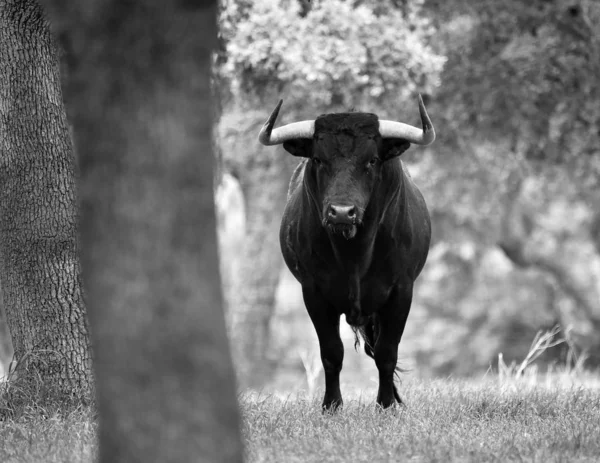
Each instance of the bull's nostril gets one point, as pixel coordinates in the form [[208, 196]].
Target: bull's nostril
[[342, 214]]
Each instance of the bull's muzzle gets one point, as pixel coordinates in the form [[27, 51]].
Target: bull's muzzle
[[342, 220], [341, 215]]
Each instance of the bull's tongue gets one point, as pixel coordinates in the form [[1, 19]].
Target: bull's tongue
[[348, 231]]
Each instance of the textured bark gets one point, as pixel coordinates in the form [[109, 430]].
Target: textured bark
[[39, 266], [140, 93], [6, 350]]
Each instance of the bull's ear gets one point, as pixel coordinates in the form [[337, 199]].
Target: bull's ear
[[299, 147], [393, 147]]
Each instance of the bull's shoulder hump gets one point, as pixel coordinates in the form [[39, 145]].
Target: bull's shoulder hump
[[297, 177], [405, 170], [411, 188], [408, 177]]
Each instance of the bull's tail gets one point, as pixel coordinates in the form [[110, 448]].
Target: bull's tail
[[369, 333]]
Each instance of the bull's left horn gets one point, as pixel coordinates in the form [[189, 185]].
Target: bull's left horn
[[425, 136], [268, 136]]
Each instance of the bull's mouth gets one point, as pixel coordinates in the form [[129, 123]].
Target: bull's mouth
[[347, 230]]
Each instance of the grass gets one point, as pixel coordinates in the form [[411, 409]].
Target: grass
[[40, 424], [445, 420], [517, 414], [38, 436]]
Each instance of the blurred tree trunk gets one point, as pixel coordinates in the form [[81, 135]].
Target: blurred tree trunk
[[39, 262], [141, 95], [264, 181]]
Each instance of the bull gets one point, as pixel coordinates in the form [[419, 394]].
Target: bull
[[355, 233]]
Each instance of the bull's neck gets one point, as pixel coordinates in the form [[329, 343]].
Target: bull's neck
[[351, 253], [386, 207]]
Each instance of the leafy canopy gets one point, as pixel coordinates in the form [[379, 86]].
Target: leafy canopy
[[331, 55]]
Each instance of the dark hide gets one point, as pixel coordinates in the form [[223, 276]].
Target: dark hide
[[355, 233]]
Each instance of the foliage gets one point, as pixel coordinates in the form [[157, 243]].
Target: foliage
[[523, 72], [516, 163], [338, 54]]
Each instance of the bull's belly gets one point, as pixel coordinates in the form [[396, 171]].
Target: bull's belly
[[358, 293], [364, 302], [355, 297]]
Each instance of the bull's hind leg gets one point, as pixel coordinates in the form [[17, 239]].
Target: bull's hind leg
[[392, 319], [327, 324]]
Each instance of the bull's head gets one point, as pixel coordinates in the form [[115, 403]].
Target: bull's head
[[347, 154]]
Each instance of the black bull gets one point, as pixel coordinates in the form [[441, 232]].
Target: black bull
[[355, 233]]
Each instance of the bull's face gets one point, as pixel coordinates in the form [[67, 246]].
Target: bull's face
[[347, 154], [346, 159]]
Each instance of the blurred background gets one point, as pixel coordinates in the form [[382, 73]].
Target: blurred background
[[512, 181]]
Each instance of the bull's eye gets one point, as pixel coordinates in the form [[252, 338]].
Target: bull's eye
[[372, 162]]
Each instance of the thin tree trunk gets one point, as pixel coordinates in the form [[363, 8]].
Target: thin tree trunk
[[141, 93], [39, 262]]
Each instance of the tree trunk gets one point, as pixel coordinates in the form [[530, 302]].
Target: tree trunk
[[6, 350], [166, 388], [39, 266], [265, 183]]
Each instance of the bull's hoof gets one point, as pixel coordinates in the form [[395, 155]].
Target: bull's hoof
[[393, 402], [332, 406], [393, 408]]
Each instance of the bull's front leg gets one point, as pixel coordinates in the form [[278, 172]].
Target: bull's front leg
[[392, 319], [327, 324]]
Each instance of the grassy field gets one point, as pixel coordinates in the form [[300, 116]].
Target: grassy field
[[449, 420], [553, 418]]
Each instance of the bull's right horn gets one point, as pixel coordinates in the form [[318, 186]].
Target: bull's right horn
[[269, 137], [424, 136]]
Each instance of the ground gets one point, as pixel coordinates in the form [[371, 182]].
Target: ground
[[550, 417]]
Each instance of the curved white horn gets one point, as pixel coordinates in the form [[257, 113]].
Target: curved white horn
[[269, 137], [424, 136]]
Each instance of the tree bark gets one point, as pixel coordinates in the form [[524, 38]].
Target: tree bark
[[141, 93], [39, 263], [6, 350]]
